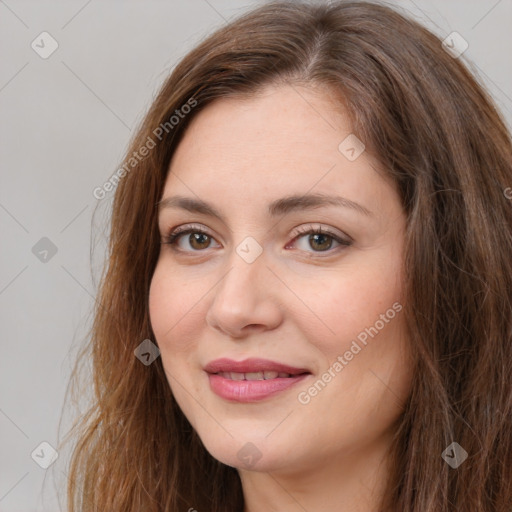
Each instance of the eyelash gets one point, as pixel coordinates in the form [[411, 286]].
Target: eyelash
[[172, 238]]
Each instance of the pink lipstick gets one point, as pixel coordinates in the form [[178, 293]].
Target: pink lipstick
[[251, 380]]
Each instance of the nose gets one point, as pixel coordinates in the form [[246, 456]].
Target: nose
[[246, 299]]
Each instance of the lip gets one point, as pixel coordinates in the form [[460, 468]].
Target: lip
[[247, 391], [251, 365]]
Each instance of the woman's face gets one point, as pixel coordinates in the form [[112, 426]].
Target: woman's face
[[283, 349]]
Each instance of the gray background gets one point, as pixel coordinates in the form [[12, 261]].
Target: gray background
[[66, 121]]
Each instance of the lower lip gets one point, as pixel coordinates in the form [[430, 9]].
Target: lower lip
[[250, 390]]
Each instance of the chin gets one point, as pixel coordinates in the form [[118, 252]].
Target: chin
[[254, 454]]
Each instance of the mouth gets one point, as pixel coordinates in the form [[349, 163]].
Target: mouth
[[265, 375], [251, 380]]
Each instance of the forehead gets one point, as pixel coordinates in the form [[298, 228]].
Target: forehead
[[283, 140], [303, 121]]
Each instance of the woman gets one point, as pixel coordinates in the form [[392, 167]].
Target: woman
[[307, 303]]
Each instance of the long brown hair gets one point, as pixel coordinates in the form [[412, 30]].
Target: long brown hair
[[440, 138]]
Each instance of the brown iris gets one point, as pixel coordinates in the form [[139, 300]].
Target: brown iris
[[325, 241], [202, 240]]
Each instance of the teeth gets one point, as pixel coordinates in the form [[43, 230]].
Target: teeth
[[254, 376], [265, 375]]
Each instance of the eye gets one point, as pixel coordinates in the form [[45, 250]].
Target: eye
[[320, 240], [198, 239]]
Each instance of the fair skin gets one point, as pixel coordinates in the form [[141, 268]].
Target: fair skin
[[302, 302]]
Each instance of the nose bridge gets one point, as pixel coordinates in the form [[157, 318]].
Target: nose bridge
[[247, 266]]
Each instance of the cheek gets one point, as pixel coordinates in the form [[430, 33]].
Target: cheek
[[174, 312], [370, 338], [175, 322], [352, 301]]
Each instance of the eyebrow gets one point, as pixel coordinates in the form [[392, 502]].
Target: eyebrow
[[280, 206]]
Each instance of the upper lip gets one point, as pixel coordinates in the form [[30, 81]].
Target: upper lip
[[251, 365]]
